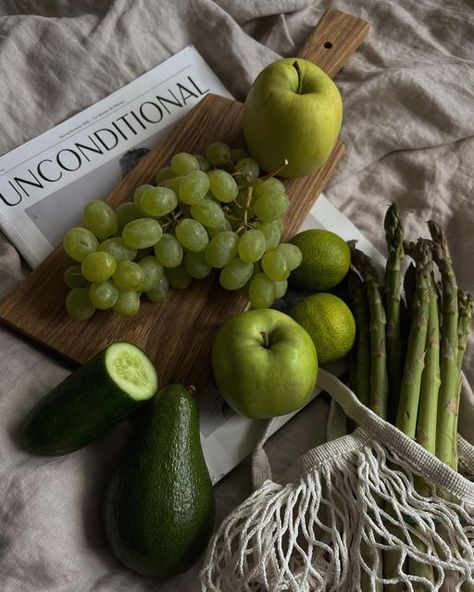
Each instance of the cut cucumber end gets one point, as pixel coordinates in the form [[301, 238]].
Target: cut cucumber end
[[132, 370]]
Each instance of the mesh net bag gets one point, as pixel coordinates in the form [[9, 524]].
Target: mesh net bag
[[370, 511]]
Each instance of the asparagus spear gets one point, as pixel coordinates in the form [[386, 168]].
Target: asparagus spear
[[378, 383], [394, 238], [430, 381], [378, 366], [427, 416], [465, 309], [412, 374], [361, 352], [409, 289], [448, 405]]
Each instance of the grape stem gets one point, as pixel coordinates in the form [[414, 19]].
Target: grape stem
[[172, 219], [247, 205]]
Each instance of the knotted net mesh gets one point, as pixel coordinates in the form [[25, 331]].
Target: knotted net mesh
[[364, 520]]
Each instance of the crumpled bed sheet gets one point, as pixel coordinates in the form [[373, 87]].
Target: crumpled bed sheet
[[408, 126]]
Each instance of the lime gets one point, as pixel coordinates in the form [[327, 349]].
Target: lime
[[329, 322], [326, 260]]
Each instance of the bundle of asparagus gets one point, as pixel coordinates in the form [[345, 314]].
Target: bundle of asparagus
[[409, 352]]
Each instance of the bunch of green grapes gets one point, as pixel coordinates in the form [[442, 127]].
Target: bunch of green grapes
[[203, 213]]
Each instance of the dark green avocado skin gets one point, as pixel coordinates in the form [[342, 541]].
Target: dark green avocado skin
[[159, 504]]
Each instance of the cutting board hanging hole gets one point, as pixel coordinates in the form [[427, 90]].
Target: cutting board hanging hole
[[328, 45]]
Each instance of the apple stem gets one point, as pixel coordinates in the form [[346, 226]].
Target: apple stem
[[266, 340], [296, 66]]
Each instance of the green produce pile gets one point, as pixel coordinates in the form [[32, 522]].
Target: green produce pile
[[159, 504], [204, 212], [409, 350]]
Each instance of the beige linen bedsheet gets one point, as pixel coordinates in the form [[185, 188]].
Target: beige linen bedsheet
[[409, 122]]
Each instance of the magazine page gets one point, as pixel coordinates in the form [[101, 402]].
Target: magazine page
[[45, 183], [227, 438]]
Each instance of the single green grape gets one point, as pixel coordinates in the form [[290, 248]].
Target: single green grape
[[168, 251], [196, 266], [178, 277], [183, 163], [280, 288], [226, 225], [270, 206], [117, 248], [139, 191], [129, 276], [79, 242], [235, 274], [173, 183], [275, 266], [141, 233], [247, 170], [267, 187], [218, 154], [192, 235], [78, 304], [73, 277], [237, 154], [160, 290], [152, 270], [126, 212], [100, 219], [223, 186], [261, 291], [251, 246], [208, 212], [272, 233], [128, 303], [98, 266], [279, 223], [222, 248], [204, 164], [194, 187], [158, 201], [103, 295], [163, 174], [292, 254]]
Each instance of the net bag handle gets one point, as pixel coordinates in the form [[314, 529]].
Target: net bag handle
[[371, 426]]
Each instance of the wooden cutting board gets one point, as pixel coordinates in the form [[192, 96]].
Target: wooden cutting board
[[179, 333]]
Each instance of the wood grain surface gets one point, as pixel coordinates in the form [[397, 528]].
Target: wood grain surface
[[179, 333]]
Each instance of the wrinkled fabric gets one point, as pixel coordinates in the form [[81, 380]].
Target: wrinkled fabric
[[408, 126]]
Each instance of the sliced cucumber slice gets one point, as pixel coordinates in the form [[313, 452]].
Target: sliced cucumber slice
[[91, 401], [132, 370]]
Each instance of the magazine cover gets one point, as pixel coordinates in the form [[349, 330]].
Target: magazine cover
[[45, 183]]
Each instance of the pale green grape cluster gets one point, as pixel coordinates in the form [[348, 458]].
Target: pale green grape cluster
[[202, 212]]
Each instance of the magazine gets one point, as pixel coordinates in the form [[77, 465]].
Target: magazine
[[45, 183]]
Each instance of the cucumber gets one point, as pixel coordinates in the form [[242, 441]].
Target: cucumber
[[91, 401]]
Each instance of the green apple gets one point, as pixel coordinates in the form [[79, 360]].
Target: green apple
[[264, 363], [293, 112]]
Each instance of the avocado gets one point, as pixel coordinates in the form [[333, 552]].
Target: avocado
[[159, 503]]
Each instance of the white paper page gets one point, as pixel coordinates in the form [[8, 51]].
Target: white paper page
[[45, 183]]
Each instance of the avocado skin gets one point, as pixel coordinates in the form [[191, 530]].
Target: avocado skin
[[159, 504]]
